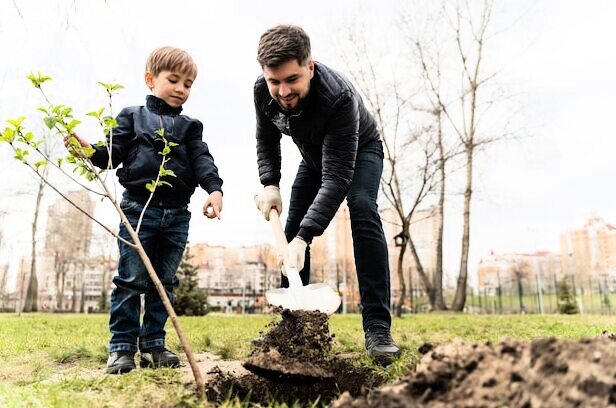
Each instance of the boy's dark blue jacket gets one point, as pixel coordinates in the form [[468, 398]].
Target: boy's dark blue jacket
[[135, 145]]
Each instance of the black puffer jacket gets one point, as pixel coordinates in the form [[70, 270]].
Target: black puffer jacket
[[332, 124], [136, 147]]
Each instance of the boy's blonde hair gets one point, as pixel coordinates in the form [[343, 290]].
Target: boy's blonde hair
[[171, 59]]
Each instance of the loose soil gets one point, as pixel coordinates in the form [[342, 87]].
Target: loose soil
[[293, 363], [541, 373]]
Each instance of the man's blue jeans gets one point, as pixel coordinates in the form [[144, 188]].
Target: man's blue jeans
[[369, 244], [163, 234]]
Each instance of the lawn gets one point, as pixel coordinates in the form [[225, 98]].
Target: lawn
[[53, 360]]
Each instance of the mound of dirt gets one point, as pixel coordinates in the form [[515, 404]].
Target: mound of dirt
[[294, 363], [541, 373]]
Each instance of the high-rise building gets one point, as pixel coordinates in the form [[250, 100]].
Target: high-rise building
[[589, 251]]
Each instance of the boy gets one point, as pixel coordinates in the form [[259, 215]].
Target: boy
[[170, 73]]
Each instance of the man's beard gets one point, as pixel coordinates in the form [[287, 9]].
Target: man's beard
[[295, 108]]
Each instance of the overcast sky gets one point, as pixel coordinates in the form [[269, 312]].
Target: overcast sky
[[556, 58]]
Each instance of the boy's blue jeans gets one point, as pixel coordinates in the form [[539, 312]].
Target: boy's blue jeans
[[369, 244], [163, 234]]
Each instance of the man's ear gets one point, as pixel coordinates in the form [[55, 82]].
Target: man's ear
[[149, 79], [311, 68]]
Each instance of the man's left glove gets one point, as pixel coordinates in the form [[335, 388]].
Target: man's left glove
[[296, 254]]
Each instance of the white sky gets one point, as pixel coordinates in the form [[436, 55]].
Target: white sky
[[558, 59]]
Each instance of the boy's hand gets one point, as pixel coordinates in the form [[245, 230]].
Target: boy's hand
[[67, 143], [213, 205]]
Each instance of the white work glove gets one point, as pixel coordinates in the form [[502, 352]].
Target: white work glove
[[296, 254], [270, 198]]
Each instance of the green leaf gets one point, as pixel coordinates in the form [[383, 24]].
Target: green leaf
[[38, 78], [151, 186], [40, 163], [166, 150], [167, 172], [172, 144], [73, 123], [50, 121], [43, 110], [17, 121], [59, 161], [164, 183], [160, 132], [9, 135]]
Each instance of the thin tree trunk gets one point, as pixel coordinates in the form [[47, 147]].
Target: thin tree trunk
[[422, 274], [460, 298], [82, 291], [402, 288], [31, 304], [438, 274], [74, 289]]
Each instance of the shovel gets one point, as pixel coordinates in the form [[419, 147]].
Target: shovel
[[316, 296]]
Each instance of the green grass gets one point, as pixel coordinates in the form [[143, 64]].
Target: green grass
[[58, 360]]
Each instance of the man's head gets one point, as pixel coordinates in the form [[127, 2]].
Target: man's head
[[284, 55], [170, 73]]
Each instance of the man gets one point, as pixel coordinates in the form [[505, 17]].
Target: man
[[342, 156]]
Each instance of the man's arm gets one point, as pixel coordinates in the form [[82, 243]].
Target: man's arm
[[339, 153]]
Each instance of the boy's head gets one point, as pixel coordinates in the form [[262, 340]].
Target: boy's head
[[284, 56], [170, 73]]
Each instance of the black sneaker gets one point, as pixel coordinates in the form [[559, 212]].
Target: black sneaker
[[158, 357], [380, 346], [120, 362]]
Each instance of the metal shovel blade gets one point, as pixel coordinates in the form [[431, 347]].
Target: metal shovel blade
[[316, 296]]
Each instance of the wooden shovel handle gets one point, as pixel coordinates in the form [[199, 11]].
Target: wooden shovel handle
[[281, 239]]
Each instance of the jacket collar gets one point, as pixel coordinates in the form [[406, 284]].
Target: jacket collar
[[160, 107]]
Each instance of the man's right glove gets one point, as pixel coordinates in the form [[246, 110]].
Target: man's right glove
[[296, 254], [270, 198]]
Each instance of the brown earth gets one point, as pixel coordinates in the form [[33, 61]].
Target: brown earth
[[294, 363], [541, 373]]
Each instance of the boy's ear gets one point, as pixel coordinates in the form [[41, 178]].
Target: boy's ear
[[149, 79]]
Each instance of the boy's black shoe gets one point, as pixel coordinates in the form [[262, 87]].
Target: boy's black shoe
[[380, 346], [158, 357], [120, 362]]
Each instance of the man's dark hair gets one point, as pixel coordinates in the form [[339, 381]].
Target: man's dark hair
[[281, 44]]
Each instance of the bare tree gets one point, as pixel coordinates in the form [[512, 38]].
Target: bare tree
[[520, 270], [404, 186], [465, 36], [31, 302]]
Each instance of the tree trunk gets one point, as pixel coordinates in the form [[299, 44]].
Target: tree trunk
[[460, 298], [402, 288], [422, 274], [438, 273], [82, 291], [31, 304], [74, 289]]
